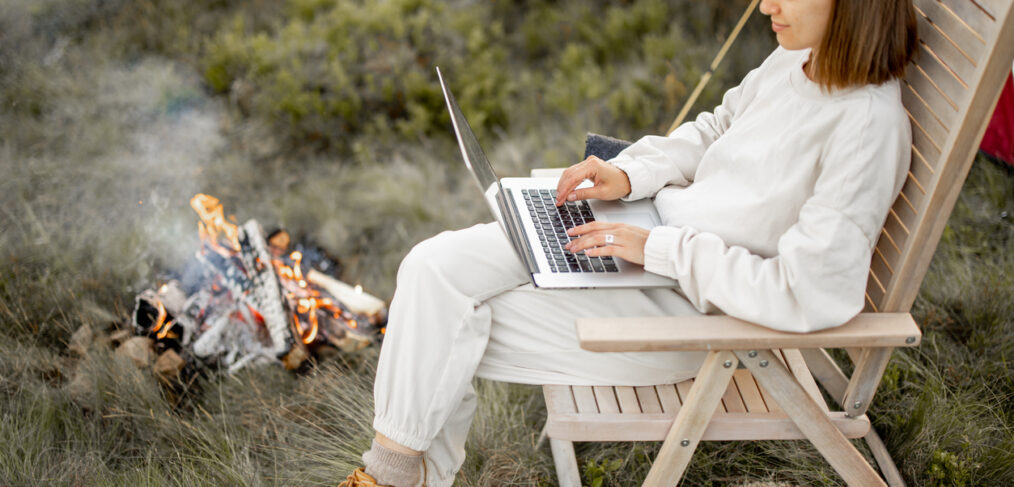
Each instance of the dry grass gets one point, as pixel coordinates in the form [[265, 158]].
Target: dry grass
[[99, 157]]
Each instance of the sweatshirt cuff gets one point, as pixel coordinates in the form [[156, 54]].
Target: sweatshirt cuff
[[640, 180], [659, 250]]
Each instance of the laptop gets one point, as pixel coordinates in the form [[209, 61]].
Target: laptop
[[537, 228]]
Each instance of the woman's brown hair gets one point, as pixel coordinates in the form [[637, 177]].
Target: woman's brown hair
[[866, 42]]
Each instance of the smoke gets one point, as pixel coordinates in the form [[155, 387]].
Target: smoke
[[101, 178], [97, 183]]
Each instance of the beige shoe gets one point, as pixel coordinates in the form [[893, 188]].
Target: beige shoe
[[359, 478]]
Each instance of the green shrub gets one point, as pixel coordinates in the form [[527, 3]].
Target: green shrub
[[331, 70], [948, 469], [596, 473]]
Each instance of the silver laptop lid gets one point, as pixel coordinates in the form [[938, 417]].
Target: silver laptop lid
[[482, 170]]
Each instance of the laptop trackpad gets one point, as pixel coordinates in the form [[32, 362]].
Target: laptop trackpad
[[637, 219]]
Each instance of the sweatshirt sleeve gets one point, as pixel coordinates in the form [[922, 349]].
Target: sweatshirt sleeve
[[654, 162], [818, 277]]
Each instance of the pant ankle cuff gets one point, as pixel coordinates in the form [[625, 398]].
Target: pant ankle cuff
[[400, 437]]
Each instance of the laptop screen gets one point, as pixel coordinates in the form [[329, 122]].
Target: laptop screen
[[475, 158], [489, 184]]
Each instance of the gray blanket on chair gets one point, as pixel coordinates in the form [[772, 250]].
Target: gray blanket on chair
[[603, 147]]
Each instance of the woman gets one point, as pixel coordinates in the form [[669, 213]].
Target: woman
[[771, 207]]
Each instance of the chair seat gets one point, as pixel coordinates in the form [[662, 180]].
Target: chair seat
[[623, 413]]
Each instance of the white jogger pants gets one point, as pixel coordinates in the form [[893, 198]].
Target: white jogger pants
[[463, 307]]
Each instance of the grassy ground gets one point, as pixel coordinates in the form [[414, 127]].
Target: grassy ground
[[111, 121]]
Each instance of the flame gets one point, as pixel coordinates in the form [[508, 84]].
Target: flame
[[308, 306], [284, 271], [161, 327], [214, 228], [293, 273], [312, 335], [306, 300], [297, 270], [256, 314]]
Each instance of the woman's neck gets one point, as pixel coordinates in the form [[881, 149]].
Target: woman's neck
[[808, 67]]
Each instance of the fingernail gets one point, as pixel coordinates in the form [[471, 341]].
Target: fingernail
[[572, 196]]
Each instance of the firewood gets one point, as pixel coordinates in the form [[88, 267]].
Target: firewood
[[265, 293], [139, 350], [352, 342], [296, 356], [278, 242], [355, 300], [168, 366], [172, 296]]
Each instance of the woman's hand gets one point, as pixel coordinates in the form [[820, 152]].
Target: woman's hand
[[610, 182], [627, 241]]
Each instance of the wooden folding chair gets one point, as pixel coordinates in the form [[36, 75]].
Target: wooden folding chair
[[965, 53]]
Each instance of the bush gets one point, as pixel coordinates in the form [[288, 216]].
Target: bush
[[335, 69], [338, 68]]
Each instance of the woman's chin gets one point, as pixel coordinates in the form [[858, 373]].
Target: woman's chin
[[790, 44]]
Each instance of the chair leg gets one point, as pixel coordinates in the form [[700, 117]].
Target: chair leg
[[811, 420], [566, 463], [835, 382], [884, 460], [692, 419]]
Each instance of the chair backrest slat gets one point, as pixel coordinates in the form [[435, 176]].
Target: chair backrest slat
[[923, 118], [939, 44], [972, 14], [942, 78], [943, 109], [964, 37], [965, 54], [992, 7]]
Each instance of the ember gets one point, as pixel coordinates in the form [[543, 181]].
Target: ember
[[245, 300]]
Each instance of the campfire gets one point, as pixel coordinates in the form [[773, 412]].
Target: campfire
[[247, 298]]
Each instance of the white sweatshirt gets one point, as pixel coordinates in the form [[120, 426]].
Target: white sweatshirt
[[772, 204]]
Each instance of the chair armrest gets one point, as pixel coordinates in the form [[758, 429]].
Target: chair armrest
[[686, 333]]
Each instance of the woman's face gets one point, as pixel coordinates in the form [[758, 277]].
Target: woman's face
[[798, 24]]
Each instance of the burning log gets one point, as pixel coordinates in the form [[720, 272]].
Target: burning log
[[237, 258], [161, 317], [246, 302], [251, 281], [352, 297], [266, 293]]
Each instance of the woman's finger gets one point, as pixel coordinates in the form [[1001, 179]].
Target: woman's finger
[[602, 251], [591, 227], [574, 176], [598, 238], [594, 192], [570, 179], [615, 239]]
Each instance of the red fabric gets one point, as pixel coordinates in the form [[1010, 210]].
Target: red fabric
[[999, 139]]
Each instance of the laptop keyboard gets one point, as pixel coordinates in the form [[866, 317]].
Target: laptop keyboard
[[552, 223]]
